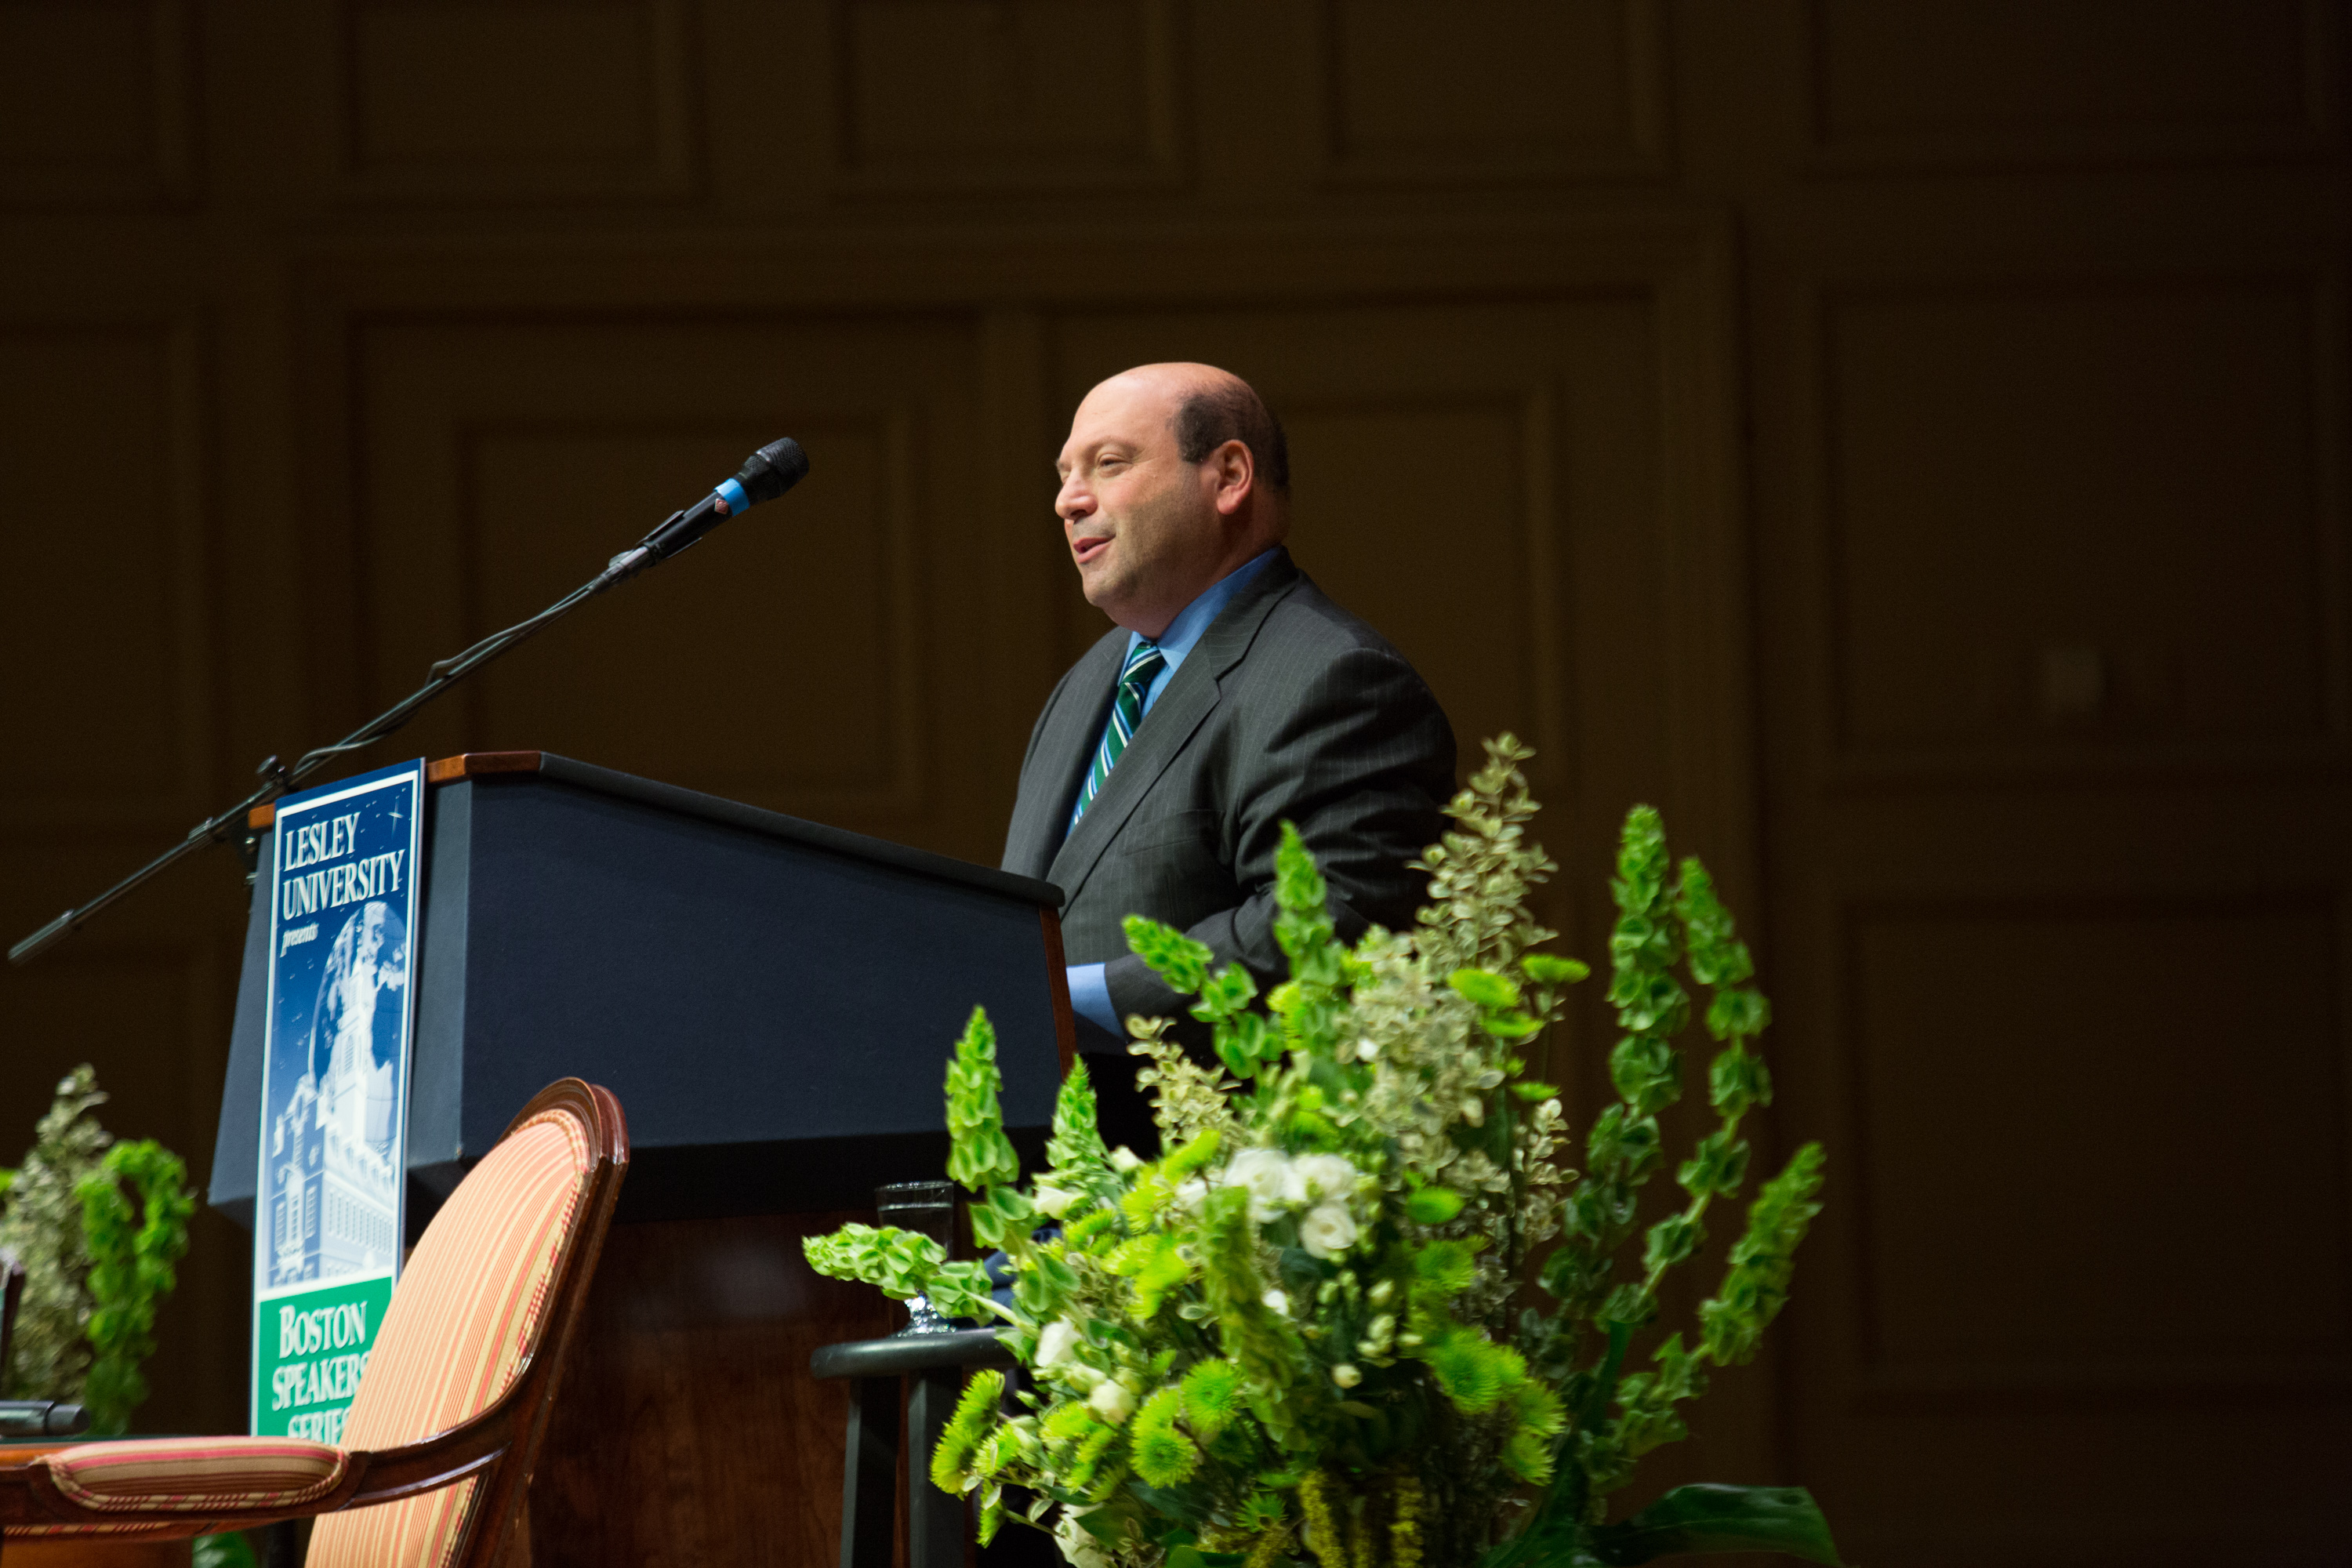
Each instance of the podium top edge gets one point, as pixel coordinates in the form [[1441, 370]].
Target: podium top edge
[[729, 813]]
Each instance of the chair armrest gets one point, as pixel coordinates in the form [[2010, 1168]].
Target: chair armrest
[[902, 1354]]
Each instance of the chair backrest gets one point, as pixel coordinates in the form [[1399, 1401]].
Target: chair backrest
[[12, 1291], [488, 1297]]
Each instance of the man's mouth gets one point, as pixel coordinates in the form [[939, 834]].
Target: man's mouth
[[1086, 550]]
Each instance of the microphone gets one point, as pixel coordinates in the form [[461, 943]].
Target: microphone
[[765, 475]]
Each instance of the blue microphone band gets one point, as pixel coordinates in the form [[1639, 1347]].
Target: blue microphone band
[[732, 497]]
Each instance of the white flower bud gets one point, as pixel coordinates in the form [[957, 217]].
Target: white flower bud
[[1325, 1175], [1054, 1201], [1079, 1549], [1056, 1341], [1114, 1402], [1326, 1230], [1346, 1375], [1126, 1161], [1268, 1176], [1277, 1301]]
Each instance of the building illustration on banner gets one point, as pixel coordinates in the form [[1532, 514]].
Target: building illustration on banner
[[333, 1185]]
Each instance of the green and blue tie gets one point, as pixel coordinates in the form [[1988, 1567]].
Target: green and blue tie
[[1143, 662]]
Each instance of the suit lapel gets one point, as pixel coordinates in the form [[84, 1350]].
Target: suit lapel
[[1191, 693], [1067, 738]]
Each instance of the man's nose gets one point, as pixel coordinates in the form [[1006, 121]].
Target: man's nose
[[1073, 501]]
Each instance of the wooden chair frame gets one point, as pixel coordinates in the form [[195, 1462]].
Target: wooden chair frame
[[500, 1444]]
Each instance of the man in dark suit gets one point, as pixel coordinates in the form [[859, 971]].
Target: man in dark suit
[[1230, 695]]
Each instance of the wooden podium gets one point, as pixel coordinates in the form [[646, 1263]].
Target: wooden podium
[[775, 1002]]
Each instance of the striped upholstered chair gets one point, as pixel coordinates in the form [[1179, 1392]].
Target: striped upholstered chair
[[440, 1437]]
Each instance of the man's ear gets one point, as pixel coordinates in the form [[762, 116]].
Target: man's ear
[[1236, 476]]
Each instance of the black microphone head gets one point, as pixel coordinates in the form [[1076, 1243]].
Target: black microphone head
[[772, 469]]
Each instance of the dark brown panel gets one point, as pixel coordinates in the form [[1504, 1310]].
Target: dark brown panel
[[688, 1429], [946, 93], [2087, 521], [115, 611], [551, 99], [1999, 80], [1506, 89], [2146, 1077], [93, 102]]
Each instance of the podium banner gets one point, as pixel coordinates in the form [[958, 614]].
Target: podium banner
[[334, 1092]]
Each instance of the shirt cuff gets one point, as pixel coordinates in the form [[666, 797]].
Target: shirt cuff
[[1090, 996]]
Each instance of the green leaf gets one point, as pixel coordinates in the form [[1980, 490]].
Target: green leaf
[[229, 1551], [1715, 1517], [1545, 969], [1177, 959], [1740, 1014], [1484, 988], [1671, 1240], [1432, 1205], [1737, 1080]]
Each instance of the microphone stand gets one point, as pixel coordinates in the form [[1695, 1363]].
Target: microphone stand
[[276, 779]]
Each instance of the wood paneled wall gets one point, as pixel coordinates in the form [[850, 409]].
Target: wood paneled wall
[[1907, 442]]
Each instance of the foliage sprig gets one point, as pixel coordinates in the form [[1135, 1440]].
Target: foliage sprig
[[98, 1226]]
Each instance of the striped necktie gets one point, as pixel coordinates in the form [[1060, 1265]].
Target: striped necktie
[[1143, 662]]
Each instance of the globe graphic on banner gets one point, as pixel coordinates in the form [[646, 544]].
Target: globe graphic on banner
[[355, 1027]]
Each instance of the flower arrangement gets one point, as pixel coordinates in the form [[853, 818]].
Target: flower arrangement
[[97, 1225], [1360, 1310]]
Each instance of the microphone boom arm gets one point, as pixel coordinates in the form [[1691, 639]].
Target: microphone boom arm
[[278, 779]]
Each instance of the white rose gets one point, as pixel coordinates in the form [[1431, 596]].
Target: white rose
[[1191, 1195], [1079, 1549], [1326, 1231], [1267, 1176], [1325, 1175], [1054, 1200], [1346, 1375], [1056, 1343], [1277, 1301], [1126, 1161], [1114, 1402]]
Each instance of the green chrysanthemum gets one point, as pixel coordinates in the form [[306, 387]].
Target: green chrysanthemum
[[1212, 1395], [1068, 1422], [1162, 1456], [1472, 1370], [1444, 1268], [975, 1414]]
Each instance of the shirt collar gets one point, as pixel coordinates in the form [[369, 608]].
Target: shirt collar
[[1194, 618]]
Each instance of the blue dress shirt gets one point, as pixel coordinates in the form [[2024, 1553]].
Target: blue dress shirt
[[1090, 996]]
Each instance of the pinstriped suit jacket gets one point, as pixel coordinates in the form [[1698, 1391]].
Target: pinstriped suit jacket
[[1288, 707]]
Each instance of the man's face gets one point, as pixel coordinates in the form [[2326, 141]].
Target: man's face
[[1143, 525]]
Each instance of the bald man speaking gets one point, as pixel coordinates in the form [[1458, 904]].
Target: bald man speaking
[[1230, 695]]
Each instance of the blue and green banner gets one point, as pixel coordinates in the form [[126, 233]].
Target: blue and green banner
[[328, 1220]]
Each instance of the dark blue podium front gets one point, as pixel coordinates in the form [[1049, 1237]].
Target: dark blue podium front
[[773, 1000]]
